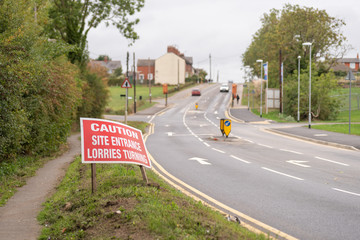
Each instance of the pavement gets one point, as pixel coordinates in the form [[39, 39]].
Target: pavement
[[18, 216], [298, 130]]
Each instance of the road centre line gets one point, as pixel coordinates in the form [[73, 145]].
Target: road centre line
[[242, 160], [352, 193], [327, 160], [217, 150], [283, 174], [263, 145], [286, 150], [206, 144]]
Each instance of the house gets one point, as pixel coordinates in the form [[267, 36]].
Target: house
[[146, 69], [352, 63], [170, 69], [110, 65], [189, 71]]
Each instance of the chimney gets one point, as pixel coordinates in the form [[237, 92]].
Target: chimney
[[357, 56]]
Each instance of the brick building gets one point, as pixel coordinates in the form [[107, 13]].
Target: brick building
[[146, 69]]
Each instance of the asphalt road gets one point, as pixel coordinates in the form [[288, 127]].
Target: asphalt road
[[306, 190]]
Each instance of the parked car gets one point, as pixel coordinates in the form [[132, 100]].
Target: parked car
[[195, 92], [224, 87]]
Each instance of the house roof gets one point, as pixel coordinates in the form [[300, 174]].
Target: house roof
[[348, 60], [340, 67], [145, 62], [108, 64], [188, 60]]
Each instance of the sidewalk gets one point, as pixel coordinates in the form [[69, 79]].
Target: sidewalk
[[18, 218], [299, 131]]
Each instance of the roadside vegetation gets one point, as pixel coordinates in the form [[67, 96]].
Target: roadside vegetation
[[125, 207], [281, 36]]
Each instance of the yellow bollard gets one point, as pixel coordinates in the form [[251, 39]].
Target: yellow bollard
[[196, 106]]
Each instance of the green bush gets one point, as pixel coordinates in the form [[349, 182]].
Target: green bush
[[94, 97]]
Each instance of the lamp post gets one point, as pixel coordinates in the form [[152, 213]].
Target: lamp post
[[298, 112], [309, 44], [261, 66]]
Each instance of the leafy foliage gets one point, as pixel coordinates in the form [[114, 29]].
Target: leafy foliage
[[286, 30], [73, 19], [39, 90], [323, 106]]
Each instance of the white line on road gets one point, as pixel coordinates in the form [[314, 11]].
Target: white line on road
[[327, 160], [298, 163], [242, 160], [263, 145], [217, 150], [285, 150], [248, 140], [352, 193], [284, 174], [206, 144]]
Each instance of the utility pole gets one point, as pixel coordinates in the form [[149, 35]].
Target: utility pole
[[148, 76], [217, 77], [210, 67], [127, 77], [134, 78], [280, 81]]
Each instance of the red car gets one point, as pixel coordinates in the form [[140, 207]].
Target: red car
[[195, 92]]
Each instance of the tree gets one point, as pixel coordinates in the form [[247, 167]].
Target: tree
[[73, 19], [323, 106], [286, 30], [103, 57]]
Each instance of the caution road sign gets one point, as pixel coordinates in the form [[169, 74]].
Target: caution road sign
[[126, 84]]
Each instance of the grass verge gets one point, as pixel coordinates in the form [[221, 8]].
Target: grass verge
[[124, 207], [340, 128], [13, 173]]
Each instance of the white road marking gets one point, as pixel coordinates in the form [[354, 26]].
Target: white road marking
[[170, 133], [352, 193], [242, 160], [200, 160], [248, 140], [217, 150], [320, 135], [286, 150], [327, 160], [283, 174], [298, 163], [263, 145], [206, 144]]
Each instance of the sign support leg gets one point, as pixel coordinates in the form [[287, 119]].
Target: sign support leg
[[93, 178], [144, 174]]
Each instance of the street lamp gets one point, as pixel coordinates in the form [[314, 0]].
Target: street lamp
[[309, 44], [298, 112], [261, 66]]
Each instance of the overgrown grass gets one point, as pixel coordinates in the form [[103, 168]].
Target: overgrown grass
[[13, 174], [124, 207]]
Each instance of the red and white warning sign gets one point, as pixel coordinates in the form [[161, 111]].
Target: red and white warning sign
[[126, 84], [104, 141]]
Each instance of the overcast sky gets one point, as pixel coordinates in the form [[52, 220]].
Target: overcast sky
[[222, 28]]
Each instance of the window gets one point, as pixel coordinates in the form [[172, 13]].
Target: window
[[352, 65], [141, 76], [150, 76]]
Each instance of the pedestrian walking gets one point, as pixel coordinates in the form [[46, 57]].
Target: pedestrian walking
[[237, 98]]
